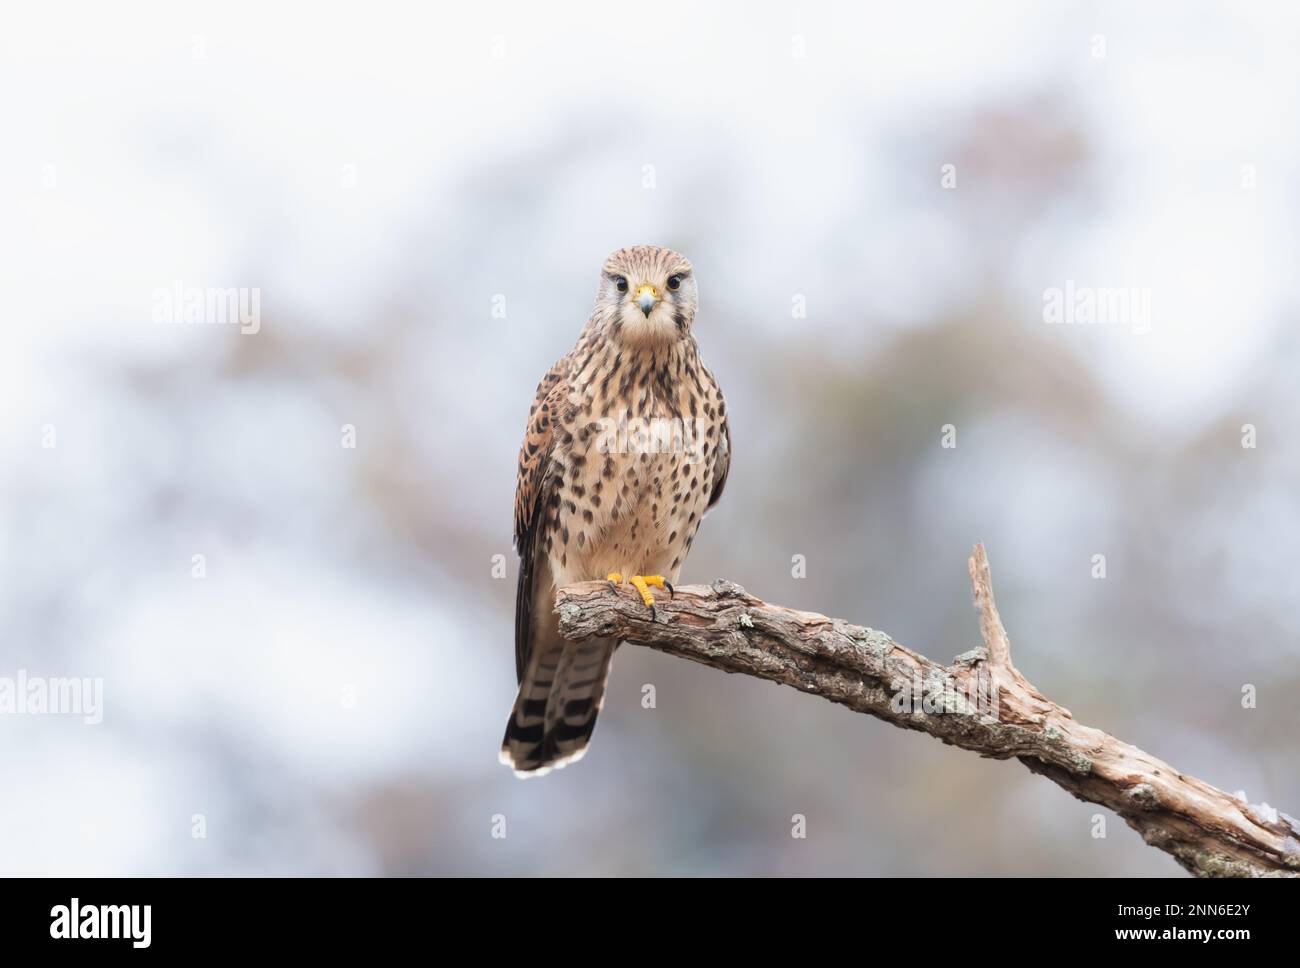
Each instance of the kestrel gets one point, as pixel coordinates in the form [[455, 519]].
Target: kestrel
[[627, 447]]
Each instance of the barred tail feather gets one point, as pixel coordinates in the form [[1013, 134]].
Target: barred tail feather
[[559, 699]]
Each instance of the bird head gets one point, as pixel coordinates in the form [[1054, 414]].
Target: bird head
[[647, 295]]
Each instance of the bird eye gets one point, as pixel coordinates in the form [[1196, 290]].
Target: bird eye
[[621, 283], [674, 282]]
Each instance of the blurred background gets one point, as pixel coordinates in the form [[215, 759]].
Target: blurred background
[[422, 199]]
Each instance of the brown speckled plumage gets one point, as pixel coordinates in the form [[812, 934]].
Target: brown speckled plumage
[[593, 499]]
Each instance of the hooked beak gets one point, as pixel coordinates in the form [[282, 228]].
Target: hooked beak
[[647, 297]]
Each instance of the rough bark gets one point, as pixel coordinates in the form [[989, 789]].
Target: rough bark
[[980, 702]]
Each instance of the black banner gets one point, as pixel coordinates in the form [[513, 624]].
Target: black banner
[[333, 916]]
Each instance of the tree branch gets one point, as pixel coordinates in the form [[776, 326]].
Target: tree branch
[[980, 702]]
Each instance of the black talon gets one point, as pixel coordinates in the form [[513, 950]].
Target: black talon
[[669, 585], [652, 614]]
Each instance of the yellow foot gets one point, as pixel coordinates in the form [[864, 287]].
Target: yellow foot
[[643, 584]]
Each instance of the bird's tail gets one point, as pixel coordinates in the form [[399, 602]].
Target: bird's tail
[[560, 696]]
